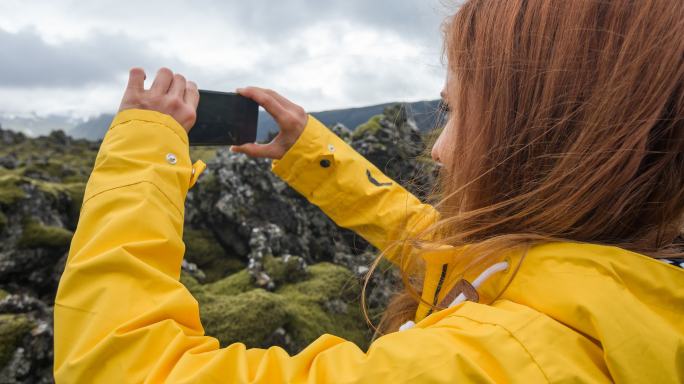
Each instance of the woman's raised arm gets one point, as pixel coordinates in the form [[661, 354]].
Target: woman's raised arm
[[332, 175]]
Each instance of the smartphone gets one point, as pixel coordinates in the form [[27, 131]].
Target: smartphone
[[224, 118]]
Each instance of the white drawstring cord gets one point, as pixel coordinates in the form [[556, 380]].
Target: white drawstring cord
[[484, 276], [498, 267], [407, 325]]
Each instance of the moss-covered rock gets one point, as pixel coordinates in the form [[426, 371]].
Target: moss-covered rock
[[285, 269], [37, 235], [251, 317], [70, 193], [234, 284], [202, 249], [369, 127], [49, 170], [10, 190], [326, 301], [191, 284], [13, 328]]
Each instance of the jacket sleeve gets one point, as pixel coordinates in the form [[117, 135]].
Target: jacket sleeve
[[122, 316], [351, 190]]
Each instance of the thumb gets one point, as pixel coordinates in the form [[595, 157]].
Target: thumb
[[257, 150]]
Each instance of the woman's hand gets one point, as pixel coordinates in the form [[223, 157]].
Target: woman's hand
[[290, 117], [170, 94]]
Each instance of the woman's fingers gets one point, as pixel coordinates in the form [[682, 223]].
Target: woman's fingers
[[192, 96], [282, 100], [258, 150], [170, 94], [270, 104], [291, 119], [162, 82], [178, 85], [136, 79]]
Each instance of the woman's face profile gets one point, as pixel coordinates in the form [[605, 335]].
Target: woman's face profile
[[440, 148]]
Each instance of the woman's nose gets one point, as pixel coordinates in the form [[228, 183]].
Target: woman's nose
[[435, 152]]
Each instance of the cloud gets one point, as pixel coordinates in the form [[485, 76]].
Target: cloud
[[30, 61], [322, 54], [413, 20]]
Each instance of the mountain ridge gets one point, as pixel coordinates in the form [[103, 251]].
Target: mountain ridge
[[425, 114]]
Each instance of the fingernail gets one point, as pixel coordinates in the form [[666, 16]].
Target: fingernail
[[239, 90], [231, 148]]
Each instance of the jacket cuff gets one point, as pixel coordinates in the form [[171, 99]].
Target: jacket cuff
[[311, 160], [146, 115], [144, 146]]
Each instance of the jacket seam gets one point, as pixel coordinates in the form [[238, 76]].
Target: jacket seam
[[132, 184], [510, 333]]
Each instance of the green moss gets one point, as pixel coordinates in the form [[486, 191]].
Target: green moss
[[234, 284], [325, 302], [284, 269], [12, 329], [37, 235], [371, 126], [191, 284], [3, 294], [203, 153], [202, 249], [3, 221], [10, 190], [51, 169], [50, 157], [251, 317]]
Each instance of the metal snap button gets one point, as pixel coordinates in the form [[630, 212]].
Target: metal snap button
[[171, 158], [325, 163], [331, 148]]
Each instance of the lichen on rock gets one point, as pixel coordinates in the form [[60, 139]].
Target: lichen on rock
[[13, 328]]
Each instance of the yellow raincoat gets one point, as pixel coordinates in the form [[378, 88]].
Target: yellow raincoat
[[572, 313]]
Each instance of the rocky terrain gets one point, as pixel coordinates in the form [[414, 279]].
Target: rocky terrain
[[254, 246]]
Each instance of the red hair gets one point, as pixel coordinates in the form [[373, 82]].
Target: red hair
[[568, 125]]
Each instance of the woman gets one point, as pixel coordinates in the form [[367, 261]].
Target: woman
[[562, 184]]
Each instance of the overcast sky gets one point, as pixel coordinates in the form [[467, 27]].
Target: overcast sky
[[72, 57]]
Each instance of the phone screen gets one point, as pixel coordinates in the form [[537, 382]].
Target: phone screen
[[224, 118]]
